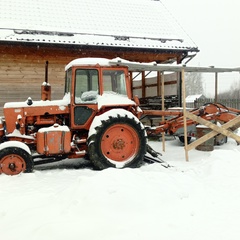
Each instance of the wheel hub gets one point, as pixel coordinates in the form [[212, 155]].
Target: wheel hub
[[12, 164], [119, 144]]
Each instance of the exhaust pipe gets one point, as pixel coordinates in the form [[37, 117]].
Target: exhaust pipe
[[46, 87]]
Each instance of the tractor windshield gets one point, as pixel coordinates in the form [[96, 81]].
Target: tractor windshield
[[114, 82], [86, 86]]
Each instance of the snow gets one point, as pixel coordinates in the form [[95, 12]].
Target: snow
[[62, 104], [14, 144], [192, 98], [197, 200], [97, 121], [17, 133], [89, 61], [130, 24], [55, 127], [113, 99], [45, 84]]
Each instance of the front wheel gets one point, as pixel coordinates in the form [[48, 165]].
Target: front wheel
[[118, 142], [14, 160]]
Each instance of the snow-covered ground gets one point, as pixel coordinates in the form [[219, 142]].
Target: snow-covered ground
[[196, 200]]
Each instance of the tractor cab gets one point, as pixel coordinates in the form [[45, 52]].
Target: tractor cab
[[95, 86]]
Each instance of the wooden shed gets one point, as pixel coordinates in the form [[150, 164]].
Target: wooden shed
[[32, 33]]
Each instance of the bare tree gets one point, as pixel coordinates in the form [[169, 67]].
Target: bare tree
[[232, 93], [193, 83]]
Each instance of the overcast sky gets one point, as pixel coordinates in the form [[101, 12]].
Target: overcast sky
[[214, 26]]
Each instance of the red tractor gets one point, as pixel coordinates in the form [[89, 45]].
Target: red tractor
[[97, 118]]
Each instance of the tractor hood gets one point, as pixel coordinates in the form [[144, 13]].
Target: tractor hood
[[62, 104], [13, 111]]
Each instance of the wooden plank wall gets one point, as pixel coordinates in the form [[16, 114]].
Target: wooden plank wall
[[22, 72], [22, 67]]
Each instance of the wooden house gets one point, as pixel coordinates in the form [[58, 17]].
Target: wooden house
[[33, 32]]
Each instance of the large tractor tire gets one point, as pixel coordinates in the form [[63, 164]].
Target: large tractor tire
[[119, 141], [14, 160]]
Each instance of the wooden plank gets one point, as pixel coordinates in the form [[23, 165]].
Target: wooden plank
[[163, 108], [158, 83], [184, 115], [155, 84], [215, 127], [66, 53], [143, 85], [216, 88]]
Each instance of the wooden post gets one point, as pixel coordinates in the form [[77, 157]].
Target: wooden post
[[179, 88], [158, 83], [184, 113], [163, 108], [143, 85], [216, 87]]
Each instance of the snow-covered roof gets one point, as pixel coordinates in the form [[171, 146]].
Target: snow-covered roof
[[192, 98], [134, 24]]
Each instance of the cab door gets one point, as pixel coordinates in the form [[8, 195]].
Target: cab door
[[84, 100]]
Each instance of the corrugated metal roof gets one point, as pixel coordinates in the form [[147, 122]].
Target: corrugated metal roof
[[135, 24]]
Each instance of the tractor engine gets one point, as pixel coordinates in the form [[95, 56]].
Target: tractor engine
[[32, 123]]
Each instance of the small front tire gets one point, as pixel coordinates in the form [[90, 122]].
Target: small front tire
[[14, 160]]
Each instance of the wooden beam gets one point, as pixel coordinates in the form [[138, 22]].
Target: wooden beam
[[143, 85], [70, 52], [216, 88], [163, 108], [155, 85], [158, 83], [184, 114]]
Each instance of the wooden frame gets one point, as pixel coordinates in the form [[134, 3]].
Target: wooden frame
[[186, 114], [215, 129]]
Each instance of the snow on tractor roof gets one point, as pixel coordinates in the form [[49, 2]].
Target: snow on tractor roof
[[91, 61], [88, 62]]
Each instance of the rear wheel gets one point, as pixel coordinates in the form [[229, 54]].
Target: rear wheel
[[118, 142], [14, 160]]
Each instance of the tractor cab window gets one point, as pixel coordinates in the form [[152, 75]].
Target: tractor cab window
[[68, 81], [86, 86], [114, 82]]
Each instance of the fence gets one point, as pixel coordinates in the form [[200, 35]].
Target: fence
[[233, 103]]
